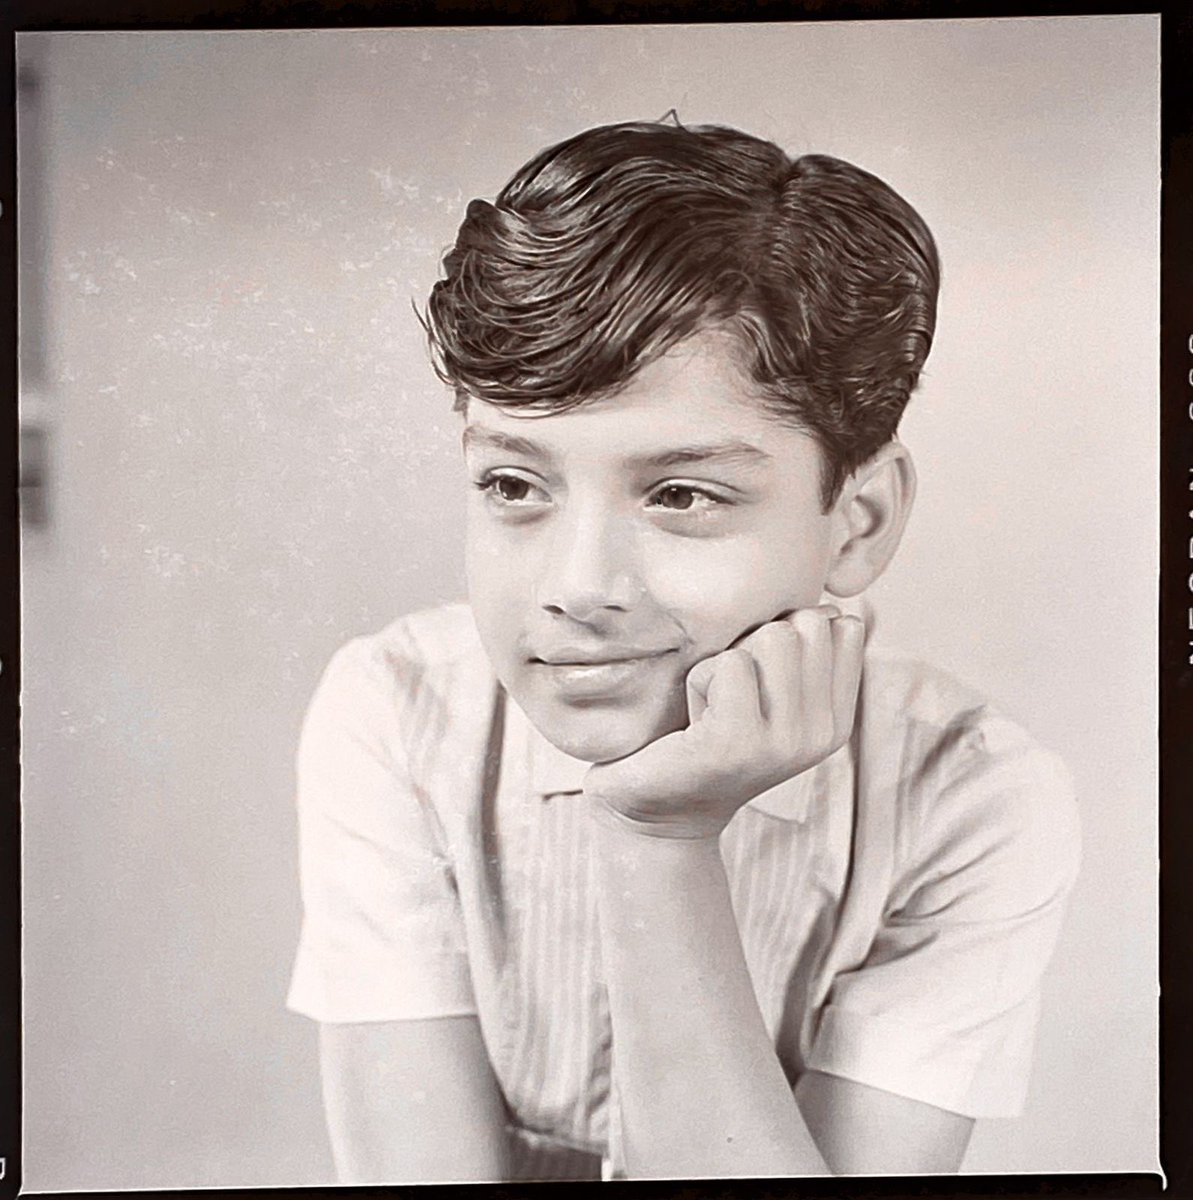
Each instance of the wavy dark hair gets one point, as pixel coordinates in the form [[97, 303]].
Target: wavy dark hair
[[606, 250]]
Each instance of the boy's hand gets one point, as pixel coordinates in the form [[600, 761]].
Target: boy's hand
[[772, 705]]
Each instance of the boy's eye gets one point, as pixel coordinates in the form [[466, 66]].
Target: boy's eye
[[682, 497], [507, 487], [510, 489]]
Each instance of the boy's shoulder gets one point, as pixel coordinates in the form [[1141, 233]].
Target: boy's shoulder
[[902, 690], [440, 636], [966, 779], [418, 644], [417, 685], [940, 722], [430, 658]]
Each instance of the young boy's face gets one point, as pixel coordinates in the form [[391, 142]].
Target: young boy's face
[[612, 547]]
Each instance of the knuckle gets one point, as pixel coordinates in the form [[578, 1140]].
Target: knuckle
[[732, 667], [812, 624], [775, 639], [849, 627], [701, 671], [787, 636]]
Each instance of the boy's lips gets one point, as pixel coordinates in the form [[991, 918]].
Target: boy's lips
[[580, 673], [579, 656]]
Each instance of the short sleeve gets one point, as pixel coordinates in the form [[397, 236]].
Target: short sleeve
[[945, 1005], [381, 934]]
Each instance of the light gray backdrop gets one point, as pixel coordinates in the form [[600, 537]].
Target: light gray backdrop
[[251, 462]]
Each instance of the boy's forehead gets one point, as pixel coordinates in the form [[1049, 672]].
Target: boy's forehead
[[697, 390], [628, 426]]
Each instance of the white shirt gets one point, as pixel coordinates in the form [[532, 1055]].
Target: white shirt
[[897, 904]]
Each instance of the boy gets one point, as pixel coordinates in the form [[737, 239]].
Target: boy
[[642, 864]]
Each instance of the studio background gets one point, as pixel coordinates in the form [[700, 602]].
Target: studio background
[[249, 461]]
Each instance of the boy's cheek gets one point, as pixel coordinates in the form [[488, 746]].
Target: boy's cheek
[[720, 592], [498, 585], [713, 621]]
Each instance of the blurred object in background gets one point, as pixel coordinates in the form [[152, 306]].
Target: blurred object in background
[[35, 438]]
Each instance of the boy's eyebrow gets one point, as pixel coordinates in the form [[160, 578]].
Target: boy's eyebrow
[[723, 452], [732, 451], [511, 442]]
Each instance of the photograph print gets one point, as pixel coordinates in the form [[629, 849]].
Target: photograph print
[[589, 608]]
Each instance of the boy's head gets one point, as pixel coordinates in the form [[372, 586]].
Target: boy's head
[[714, 343], [606, 250]]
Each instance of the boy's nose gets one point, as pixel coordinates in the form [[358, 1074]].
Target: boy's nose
[[589, 570]]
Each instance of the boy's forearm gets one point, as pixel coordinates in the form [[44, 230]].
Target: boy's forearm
[[702, 1091], [412, 1102]]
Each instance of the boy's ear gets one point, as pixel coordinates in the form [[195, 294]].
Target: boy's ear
[[870, 515]]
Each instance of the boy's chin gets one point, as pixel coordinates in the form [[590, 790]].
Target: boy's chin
[[597, 737]]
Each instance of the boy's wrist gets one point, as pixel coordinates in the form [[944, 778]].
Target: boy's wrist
[[618, 825]]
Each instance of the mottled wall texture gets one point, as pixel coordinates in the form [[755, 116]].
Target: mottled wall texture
[[250, 461]]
